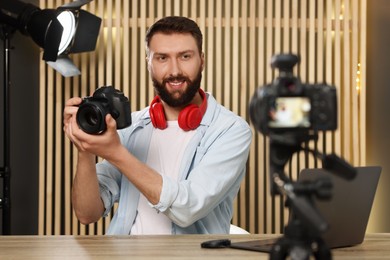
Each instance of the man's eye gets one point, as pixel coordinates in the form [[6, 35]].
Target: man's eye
[[186, 56]]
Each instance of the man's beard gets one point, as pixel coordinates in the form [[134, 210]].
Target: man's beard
[[185, 96]]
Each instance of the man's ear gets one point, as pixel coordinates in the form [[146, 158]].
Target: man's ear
[[147, 62]]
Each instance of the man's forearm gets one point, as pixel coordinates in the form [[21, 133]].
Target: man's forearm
[[87, 203], [147, 181]]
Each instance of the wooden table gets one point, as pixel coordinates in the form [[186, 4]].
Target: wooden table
[[375, 246]]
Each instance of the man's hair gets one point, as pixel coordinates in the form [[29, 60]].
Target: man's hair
[[175, 24]]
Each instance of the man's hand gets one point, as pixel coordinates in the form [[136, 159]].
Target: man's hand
[[103, 145]]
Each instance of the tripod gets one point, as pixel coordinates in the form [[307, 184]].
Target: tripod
[[303, 234]]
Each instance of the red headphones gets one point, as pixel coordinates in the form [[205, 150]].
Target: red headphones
[[189, 118]]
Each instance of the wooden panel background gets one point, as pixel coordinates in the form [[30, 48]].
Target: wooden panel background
[[240, 37]]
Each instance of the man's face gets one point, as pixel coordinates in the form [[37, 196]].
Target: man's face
[[175, 65]]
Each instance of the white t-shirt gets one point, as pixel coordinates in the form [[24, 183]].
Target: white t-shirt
[[165, 154]]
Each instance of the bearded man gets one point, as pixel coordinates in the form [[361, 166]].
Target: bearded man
[[178, 167]]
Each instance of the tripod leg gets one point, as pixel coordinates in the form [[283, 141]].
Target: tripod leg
[[299, 250], [279, 249], [323, 252]]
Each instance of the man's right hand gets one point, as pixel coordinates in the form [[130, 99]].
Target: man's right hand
[[104, 145]]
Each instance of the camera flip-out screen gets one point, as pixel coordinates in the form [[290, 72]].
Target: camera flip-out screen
[[290, 112]]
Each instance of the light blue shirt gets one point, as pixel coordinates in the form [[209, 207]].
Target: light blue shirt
[[213, 166]]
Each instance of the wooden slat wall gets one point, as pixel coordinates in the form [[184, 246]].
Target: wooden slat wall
[[240, 37]]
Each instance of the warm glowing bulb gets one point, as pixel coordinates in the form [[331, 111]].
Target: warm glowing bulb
[[358, 78], [68, 22]]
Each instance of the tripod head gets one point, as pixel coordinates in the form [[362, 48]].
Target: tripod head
[[282, 148]]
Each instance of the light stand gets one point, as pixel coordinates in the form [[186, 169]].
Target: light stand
[[5, 171], [58, 32]]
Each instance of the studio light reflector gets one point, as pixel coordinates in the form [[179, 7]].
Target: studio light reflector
[[59, 32], [68, 23]]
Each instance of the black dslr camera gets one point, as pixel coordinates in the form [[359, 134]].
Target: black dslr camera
[[93, 110], [287, 105]]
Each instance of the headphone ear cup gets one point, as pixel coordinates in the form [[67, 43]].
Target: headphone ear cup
[[157, 115], [190, 117]]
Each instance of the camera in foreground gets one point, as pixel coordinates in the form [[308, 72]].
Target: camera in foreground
[[105, 100], [287, 105]]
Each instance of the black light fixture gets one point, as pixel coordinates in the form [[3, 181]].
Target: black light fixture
[[59, 32]]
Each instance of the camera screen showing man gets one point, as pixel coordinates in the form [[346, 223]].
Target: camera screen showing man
[[288, 106], [290, 112]]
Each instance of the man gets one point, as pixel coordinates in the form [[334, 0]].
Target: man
[[178, 167]]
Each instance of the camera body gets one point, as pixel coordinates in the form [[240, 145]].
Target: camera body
[[93, 110], [287, 105]]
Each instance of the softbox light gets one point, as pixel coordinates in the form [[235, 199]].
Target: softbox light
[[59, 32]]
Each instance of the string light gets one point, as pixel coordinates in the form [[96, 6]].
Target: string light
[[358, 78]]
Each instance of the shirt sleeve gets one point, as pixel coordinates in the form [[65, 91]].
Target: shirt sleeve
[[109, 184]]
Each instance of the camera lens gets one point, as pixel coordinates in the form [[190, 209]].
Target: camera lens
[[91, 118]]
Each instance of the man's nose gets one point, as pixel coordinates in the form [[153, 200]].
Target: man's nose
[[175, 67]]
